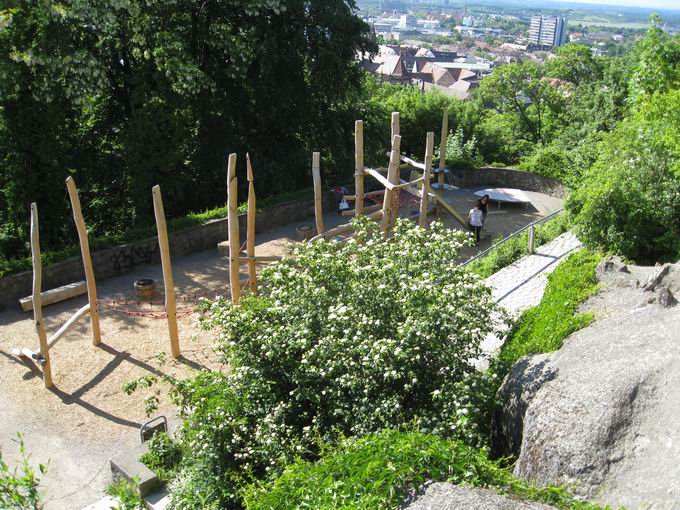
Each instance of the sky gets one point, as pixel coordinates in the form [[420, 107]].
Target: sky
[[652, 4]]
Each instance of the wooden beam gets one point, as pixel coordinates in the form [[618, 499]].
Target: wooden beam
[[359, 167], [250, 240], [55, 295], [345, 227], [392, 179], [413, 163], [68, 325], [168, 282], [37, 296], [378, 177], [318, 206], [424, 202], [394, 126], [234, 241], [87, 260], [367, 210]]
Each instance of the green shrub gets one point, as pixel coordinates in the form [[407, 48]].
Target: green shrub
[[127, 494], [19, 488], [543, 328], [346, 339], [377, 471], [629, 202], [163, 457], [517, 247]]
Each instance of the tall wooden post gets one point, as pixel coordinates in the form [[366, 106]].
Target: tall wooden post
[[359, 167], [394, 126], [318, 206], [87, 260], [442, 148], [164, 245], [442, 156], [250, 241], [393, 178], [37, 298], [234, 238], [424, 200]]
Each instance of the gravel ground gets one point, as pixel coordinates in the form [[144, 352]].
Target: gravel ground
[[85, 419]]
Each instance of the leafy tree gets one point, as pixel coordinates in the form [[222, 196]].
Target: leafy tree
[[629, 202], [519, 89], [657, 61], [574, 63], [124, 95]]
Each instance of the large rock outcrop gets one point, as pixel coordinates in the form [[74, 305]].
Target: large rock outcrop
[[602, 414], [447, 496]]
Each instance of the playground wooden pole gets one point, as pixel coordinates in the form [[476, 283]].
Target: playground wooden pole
[[234, 238], [37, 298], [87, 260], [442, 156], [393, 178], [170, 303], [250, 241], [394, 125], [429, 150], [442, 146], [359, 167], [316, 176]]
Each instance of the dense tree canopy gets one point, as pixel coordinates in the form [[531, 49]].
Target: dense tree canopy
[[125, 94]]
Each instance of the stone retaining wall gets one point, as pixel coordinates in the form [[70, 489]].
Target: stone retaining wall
[[124, 258], [506, 178]]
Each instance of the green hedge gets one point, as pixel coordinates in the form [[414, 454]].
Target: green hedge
[[12, 266], [376, 472]]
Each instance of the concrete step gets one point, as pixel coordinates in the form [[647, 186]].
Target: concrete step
[[157, 500], [128, 466]]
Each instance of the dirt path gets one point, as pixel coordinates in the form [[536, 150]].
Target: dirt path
[[85, 419]]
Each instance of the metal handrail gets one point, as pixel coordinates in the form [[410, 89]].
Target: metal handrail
[[514, 234]]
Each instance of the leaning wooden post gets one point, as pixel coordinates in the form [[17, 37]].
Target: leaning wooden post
[[87, 260], [393, 178], [316, 176], [164, 245], [37, 298], [424, 200], [359, 167], [250, 241], [234, 237]]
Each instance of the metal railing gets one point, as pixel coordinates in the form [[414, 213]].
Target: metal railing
[[531, 227]]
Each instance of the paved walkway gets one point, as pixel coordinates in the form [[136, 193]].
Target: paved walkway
[[521, 285]]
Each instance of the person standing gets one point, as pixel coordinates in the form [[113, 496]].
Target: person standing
[[476, 218], [484, 206]]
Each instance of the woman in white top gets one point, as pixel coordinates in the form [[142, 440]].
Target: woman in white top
[[476, 218]]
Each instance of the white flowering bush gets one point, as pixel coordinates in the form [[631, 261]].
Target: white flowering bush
[[345, 339]]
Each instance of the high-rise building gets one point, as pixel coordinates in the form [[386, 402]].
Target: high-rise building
[[547, 31]]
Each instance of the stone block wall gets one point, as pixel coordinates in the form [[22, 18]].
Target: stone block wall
[[489, 176], [122, 259]]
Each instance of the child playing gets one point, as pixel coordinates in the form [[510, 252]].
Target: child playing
[[476, 218]]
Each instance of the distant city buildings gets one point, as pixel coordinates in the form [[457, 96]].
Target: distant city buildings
[[547, 31]]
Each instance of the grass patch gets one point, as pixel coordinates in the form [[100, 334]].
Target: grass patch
[[543, 328], [127, 494], [517, 247], [376, 472]]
